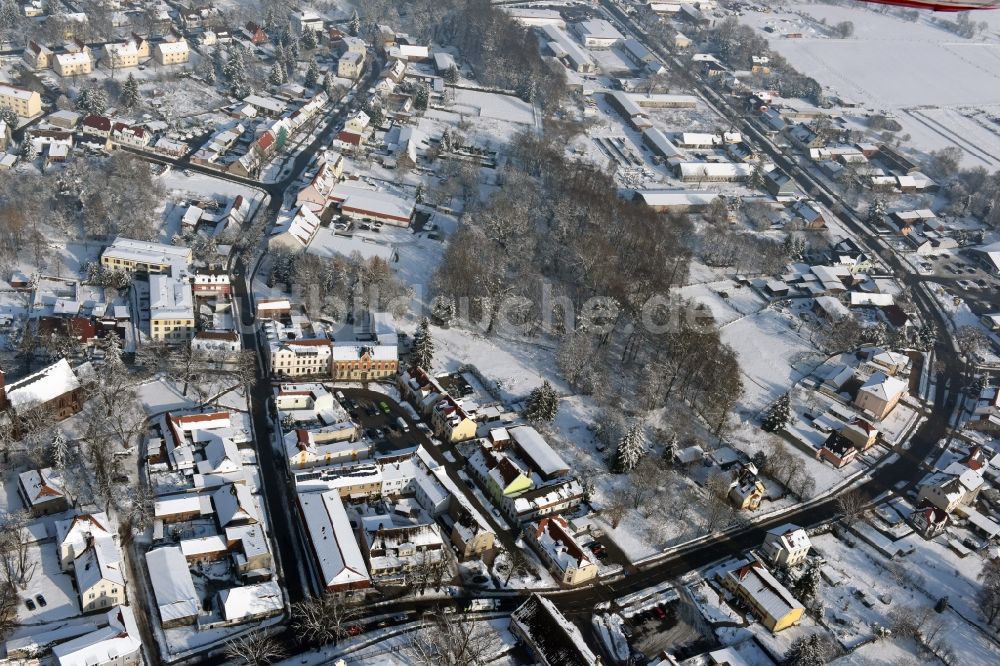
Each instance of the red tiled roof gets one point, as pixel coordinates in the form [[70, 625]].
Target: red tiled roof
[[98, 123]]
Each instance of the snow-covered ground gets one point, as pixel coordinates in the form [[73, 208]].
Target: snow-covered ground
[[943, 89]]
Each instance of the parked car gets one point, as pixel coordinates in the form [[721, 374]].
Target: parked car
[[385, 407], [400, 617], [41, 600], [30, 604], [354, 630]]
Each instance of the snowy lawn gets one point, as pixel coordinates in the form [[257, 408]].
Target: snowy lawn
[[772, 357]]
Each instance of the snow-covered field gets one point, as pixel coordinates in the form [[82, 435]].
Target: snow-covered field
[[770, 352], [889, 64]]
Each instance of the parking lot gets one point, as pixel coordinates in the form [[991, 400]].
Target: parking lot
[[378, 416], [674, 626]]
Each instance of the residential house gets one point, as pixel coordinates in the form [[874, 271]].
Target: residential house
[[861, 433], [394, 549], [767, 599], [119, 55], [470, 533], [42, 492], [326, 445], [809, 214], [55, 389], [949, 489], [786, 545], [880, 394], [746, 489], [130, 135], [25, 103], [37, 56], [74, 534], [350, 65], [97, 126], [362, 203], [307, 20], [837, 450], [569, 561], [117, 642], [172, 53], [295, 231], [780, 185], [929, 521], [254, 33], [73, 64], [99, 574], [136, 256]]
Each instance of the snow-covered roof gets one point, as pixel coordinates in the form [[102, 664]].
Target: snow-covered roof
[[184, 503], [173, 587], [108, 644], [72, 534], [251, 601], [42, 386], [597, 29], [352, 351], [148, 253], [655, 136], [714, 170], [235, 503], [363, 201], [332, 538], [302, 225], [538, 452], [792, 537], [100, 561], [761, 586], [884, 387], [42, 486], [206, 545], [170, 298], [179, 47]]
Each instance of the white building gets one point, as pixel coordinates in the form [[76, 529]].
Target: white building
[[251, 602], [787, 545], [597, 33], [73, 64]]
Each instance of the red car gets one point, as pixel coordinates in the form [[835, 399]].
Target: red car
[[660, 613], [354, 630]]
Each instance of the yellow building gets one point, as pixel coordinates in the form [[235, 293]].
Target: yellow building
[[350, 65], [37, 56], [171, 309], [73, 64], [569, 561], [880, 394], [25, 103], [769, 600], [137, 256], [172, 53]]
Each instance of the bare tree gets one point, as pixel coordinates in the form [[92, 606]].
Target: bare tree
[[15, 560], [8, 608], [988, 596], [448, 641], [323, 619], [617, 507], [256, 648], [852, 505]]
